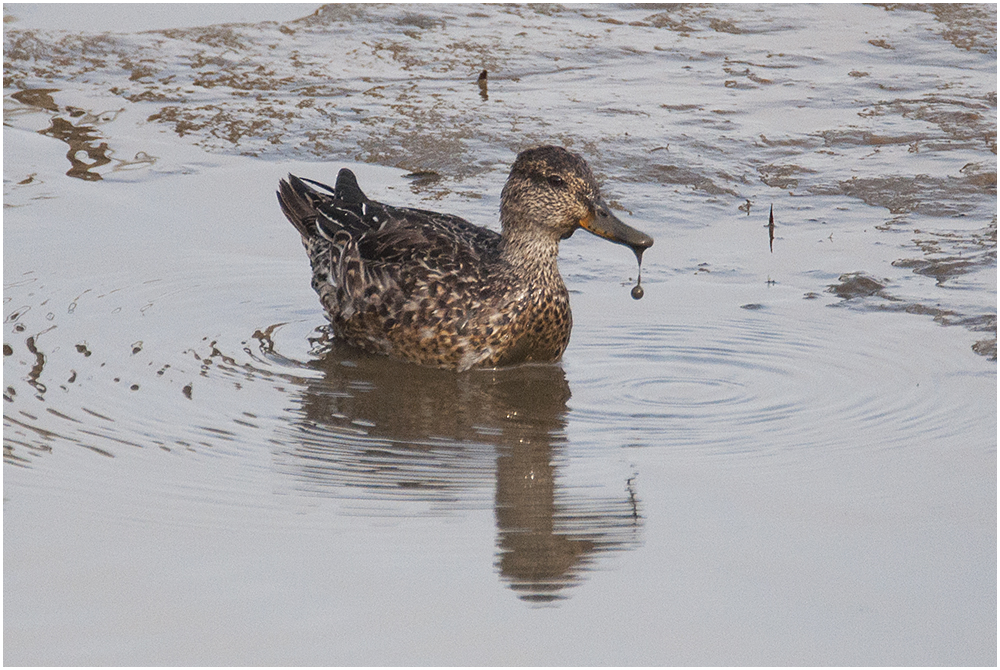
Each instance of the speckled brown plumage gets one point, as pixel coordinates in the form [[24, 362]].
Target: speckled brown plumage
[[437, 290]]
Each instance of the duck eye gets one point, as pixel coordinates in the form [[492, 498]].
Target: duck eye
[[556, 181]]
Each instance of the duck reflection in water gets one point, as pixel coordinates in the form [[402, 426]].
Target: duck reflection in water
[[401, 431]]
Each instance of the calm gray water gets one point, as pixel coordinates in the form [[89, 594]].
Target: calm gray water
[[776, 457]]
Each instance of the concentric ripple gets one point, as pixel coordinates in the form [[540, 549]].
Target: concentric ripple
[[762, 382]]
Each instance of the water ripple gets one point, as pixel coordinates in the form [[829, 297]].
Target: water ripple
[[760, 383]]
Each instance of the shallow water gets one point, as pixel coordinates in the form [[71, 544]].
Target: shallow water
[[774, 457]]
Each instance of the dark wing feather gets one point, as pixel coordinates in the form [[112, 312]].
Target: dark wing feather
[[384, 234], [297, 206], [442, 241], [316, 209]]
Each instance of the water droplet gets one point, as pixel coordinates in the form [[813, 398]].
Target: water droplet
[[637, 291]]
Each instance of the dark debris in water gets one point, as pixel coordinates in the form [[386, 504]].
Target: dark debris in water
[[82, 140], [37, 97], [770, 229], [483, 82], [968, 26], [921, 194], [942, 268], [986, 348], [857, 287], [784, 177], [688, 176], [950, 255], [88, 150], [423, 177]]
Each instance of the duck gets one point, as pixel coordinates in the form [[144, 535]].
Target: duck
[[437, 290]]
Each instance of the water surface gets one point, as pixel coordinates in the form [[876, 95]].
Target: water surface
[[779, 456]]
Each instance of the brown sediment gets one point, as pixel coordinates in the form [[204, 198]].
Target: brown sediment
[[858, 285], [36, 369], [854, 287], [80, 139]]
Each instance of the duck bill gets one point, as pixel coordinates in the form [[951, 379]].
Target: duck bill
[[601, 222]]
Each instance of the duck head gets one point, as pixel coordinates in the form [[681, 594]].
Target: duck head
[[550, 193]]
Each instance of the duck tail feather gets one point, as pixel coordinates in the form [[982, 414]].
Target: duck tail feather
[[306, 203], [347, 188], [296, 205]]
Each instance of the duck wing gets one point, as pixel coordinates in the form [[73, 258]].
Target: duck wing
[[384, 234], [316, 209], [394, 279]]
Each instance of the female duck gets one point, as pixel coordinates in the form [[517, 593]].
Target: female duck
[[437, 290]]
